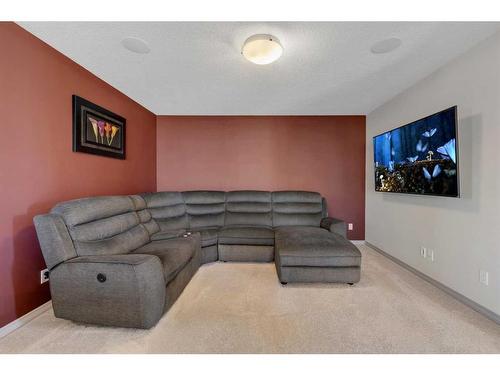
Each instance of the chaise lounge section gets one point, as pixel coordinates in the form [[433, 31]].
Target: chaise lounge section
[[310, 254], [124, 260]]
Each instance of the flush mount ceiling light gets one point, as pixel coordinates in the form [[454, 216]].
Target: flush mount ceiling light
[[135, 45], [262, 49], [386, 46]]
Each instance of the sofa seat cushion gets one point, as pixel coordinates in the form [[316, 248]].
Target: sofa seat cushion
[[314, 247], [246, 236], [174, 253], [209, 236]]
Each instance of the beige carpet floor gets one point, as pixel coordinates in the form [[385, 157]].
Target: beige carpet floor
[[242, 308]]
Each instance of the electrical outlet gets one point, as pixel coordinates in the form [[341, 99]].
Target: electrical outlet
[[423, 252], [430, 254], [350, 226], [44, 276], [483, 277]]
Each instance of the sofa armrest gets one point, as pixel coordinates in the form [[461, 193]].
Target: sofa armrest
[[334, 225], [55, 241], [126, 290]]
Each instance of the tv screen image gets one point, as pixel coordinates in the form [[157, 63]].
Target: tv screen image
[[420, 157]]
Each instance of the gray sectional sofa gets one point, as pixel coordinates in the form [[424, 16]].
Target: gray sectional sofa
[[124, 260]]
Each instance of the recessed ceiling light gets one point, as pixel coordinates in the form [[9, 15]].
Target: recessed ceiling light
[[386, 45], [262, 49], [135, 45]]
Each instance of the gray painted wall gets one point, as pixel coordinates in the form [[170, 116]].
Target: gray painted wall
[[464, 233]]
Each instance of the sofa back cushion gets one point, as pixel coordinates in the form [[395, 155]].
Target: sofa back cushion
[[168, 210], [248, 208], [297, 208], [107, 225], [205, 209]]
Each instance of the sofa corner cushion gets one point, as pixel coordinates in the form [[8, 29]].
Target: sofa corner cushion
[[209, 236], [314, 247], [246, 236], [173, 253], [209, 254]]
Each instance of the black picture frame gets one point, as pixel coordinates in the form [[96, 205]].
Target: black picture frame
[[97, 130]]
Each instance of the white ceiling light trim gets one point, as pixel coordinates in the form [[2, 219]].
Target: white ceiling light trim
[[136, 45], [386, 46], [262, 49]]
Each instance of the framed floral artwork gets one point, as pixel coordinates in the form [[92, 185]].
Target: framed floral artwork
[[96, 130]]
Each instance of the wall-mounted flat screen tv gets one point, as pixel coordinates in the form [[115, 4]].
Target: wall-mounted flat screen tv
[[420, 157]]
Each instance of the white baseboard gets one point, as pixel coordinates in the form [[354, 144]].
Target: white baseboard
[[19, 322], [460, 297], [358, 242]]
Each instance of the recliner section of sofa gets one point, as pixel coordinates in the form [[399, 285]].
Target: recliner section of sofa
[[94, 277], [124, 260]]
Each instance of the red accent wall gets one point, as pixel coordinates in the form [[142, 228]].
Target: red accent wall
[[37, 166], [317, 153]]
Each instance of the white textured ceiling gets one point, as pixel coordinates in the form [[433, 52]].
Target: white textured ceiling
[[195, 68]]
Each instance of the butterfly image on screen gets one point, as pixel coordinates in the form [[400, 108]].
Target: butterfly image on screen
[[420, 157]]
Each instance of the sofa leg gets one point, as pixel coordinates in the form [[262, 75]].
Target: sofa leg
[[283, 282], [350, 283]]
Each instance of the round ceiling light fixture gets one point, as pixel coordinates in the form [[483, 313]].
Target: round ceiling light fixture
[[136, 45], [262, 49], [386, 46]]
